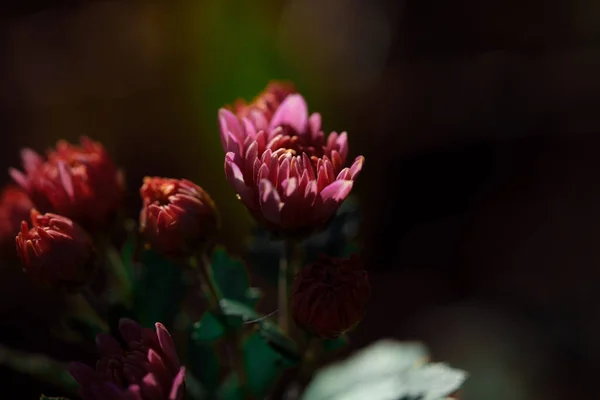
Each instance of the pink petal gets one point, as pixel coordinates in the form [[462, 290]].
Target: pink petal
[[292, 112], [151, 388], [19, 178], [178, 387], [336, 191], [314, 124], [356, 167], [342, 146], [236, 178], [228, 122], [270, 202], [31, 160], [66, 179], [167, 346], [108, 345]]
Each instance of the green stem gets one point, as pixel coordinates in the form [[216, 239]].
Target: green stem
[[233, 345], [286, 274]]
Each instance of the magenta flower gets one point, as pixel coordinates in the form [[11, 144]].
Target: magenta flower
[[146, 369], [79, 182], [15, 206], [286, 172]]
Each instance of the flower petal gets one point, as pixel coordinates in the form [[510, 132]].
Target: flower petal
[[167, 346], [292, 112], [270, 202], [178, 387], [108, 345], [130, 330]]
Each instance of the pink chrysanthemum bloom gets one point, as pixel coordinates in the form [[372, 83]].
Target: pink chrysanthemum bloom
[[146, 369], [177, 217], [329, 296], [289, 175], [55, 251], [79, 182], [15, 206]]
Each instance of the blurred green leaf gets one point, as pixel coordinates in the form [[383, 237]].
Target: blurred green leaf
[[203, 364], [280, 342], [332, 345], [208, 329], [385, 370], [231, 389], [263, 365], [159, 289], [237, 312], [231, 277], [38, 366], [253, 296]]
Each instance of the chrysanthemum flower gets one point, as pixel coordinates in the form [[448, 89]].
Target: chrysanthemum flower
[[329, 296], [289, 175], [177, 217], [79, 182], [147, 368], [55, 251]]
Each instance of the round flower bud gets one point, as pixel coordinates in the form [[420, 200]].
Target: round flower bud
[[329, 296], [177, 217], [55, 251]]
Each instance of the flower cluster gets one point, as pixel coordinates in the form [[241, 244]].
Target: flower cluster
[[289, 174], [147, 368]]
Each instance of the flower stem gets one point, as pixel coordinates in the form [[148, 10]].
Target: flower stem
[[286, 274], [233, 345], [86, 311]]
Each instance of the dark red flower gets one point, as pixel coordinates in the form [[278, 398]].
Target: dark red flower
[[15, 206], [79, 182], [55, 251], [329, 296], [178, 216], [286, 171], [147, 368]]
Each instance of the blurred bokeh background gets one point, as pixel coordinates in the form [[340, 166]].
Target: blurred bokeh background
[[478, 120]]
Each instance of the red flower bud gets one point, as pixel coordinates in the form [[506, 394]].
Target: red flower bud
[[177, 217], [81, 183], [329, 296], [55, 251], [15, 206]]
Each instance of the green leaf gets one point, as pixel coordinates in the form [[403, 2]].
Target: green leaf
[[280, 342], [332, 345], [38, 366], [203, 364], [231, 277], [158, 290], [385, 370], [231, 389], [208, 329], [238, 313], [262, 363]]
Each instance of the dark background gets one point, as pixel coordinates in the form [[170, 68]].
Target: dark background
[[478, 121]]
